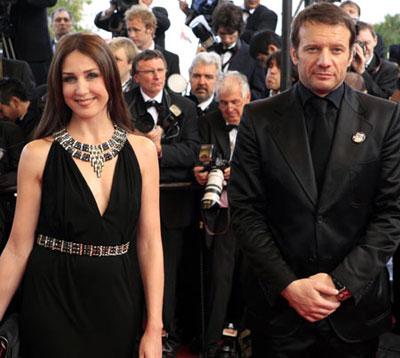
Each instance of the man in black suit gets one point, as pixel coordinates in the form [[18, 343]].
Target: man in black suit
[[314, 197], [380, 75], [112, 19], [219, 128], [31, 37], [235, 55], [203, 75], [61, 23], [257, 17], [170, 121], [141, 25]]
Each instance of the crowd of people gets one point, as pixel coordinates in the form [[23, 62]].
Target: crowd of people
[[147, 218]]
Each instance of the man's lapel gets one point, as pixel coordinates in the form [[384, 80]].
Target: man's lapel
[[351, 133], [290, 133], [222, 136]]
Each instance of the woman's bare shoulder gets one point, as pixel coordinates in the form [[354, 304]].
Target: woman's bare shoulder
[[34, 154], [144, 149]]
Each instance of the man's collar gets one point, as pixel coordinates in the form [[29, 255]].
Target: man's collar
[[157, 98], [203, 105], [335, 97]]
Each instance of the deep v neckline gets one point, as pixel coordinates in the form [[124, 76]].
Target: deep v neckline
[[89, 190]]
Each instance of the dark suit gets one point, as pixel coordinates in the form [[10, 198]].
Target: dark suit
[[381, 77], [213, 106], [287, 231], [261, 19], [171, 59], [31, 39], [222, 247], [179, 156], [242, 61]]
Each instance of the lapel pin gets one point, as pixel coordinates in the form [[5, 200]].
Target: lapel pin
[[359, 137]]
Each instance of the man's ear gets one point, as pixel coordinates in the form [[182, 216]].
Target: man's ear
[[14, 102], [293, 56]]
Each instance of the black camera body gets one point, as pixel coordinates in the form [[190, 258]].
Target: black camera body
[[123, 5], [215, 165]]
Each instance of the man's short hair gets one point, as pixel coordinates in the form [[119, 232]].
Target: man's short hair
[[228, 16], [274, 57], [351, 3], [240, 78], [207, 59], [147, 55], [61, 9], [322, 13], [261, 40], [127, 44], [143, 13], [11, 87], [365, 26]]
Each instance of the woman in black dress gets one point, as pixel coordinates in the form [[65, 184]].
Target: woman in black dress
[[86, 233]]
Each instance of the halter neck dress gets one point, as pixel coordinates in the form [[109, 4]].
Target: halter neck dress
[[81, 306]]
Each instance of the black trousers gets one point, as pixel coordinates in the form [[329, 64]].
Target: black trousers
[[311, 340]]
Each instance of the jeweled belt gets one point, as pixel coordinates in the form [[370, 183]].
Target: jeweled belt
[[75, 248]]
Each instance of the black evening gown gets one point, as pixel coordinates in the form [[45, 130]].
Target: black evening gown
[[80, 306]]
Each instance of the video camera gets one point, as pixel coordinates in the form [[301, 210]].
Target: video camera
[[215, 165]]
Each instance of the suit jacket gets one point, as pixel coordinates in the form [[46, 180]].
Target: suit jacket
[[381, 77], [213, 131], [171, 59], [179, 156], [242, 61], [287, 232], [19, 70], [31, 39], [261, 19]]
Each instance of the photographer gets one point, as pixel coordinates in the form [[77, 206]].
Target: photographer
[[219, 128], [235, 56], [112, 19], [170, 121], [380, 76]]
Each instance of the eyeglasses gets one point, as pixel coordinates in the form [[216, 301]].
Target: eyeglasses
[[158, 71]]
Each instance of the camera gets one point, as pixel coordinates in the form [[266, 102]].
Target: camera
[[215, 165], [363, 46], [202, 30], [124, 5]]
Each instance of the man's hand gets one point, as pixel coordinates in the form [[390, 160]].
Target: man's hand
[[312, 298], [227, 173], [183, 5], [359, 60], [155, 136], [200, 175]]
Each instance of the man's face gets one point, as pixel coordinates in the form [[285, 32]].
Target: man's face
[[369, 40], [251, 4], [62, 24], [228, 38], [273, 77], [139, 34], [124, 66], [150, 75], [202, 81], [231, 102], [11, 110], [322, 56], [351, 10]]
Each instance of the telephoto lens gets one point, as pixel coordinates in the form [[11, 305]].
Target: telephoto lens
[[213, 189]]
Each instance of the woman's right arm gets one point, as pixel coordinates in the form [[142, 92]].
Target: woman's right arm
[[19, 246]]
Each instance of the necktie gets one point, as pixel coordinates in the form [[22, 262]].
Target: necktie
[[229, 127], [152, 103], [320, 138]]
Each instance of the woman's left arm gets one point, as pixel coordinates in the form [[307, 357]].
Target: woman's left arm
[[149, 246]]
